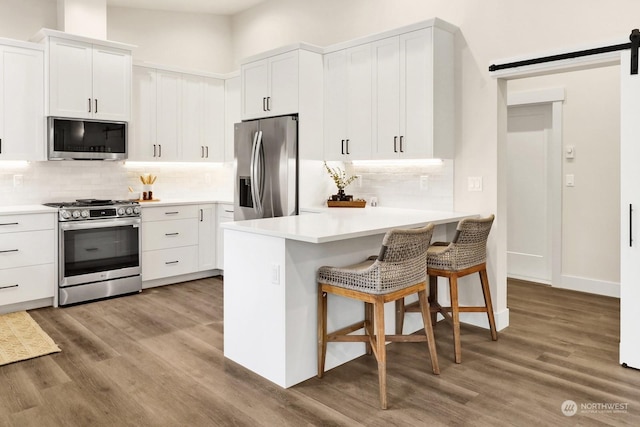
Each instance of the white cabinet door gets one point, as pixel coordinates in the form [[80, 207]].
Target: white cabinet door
[[111, 84], [214, 120], [168, 135], [386, 102], [255, 80], [21, 104], [359, 122], [417, 97], [142, 128], [70, 79], [335, 105], [224, 214], [207, 237], [348, 123], [232, 114], [282, 97], [192, 118]]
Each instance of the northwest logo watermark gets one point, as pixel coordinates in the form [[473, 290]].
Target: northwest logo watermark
[[569, 408]]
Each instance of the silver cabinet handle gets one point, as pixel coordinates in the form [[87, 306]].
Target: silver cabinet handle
[[0, 145], [154, 150], [172, 213], [395, 144], [207, 148], [347, 141], [630, 226], [159, 150], [401, 147], [89, 104], [268, 103], [342, 149], [9, 250], [171, 262], [229, 210], [171, 234], [201, 215], [10, 223], [264, 104], [202, 151], [96, 109], [9, 286]]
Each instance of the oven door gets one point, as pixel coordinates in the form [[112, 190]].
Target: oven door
[[98, 250]]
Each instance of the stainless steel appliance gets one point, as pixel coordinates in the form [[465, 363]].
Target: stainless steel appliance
[[99, 249], [266, 168], [77, 139]]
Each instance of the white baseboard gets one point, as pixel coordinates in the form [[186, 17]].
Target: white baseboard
[[178, 279], [592, 286], [28, 305], [480, 319]]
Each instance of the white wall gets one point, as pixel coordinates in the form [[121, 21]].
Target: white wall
[[192, 41], [21, 19]]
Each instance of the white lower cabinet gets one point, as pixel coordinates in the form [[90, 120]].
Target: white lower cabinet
[[27, 259], [225, 214], [178, 240]]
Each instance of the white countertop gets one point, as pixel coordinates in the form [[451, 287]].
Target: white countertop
[[26, 209], [174, 202], [335, 224]]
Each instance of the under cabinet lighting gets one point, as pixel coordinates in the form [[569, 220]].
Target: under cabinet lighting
[[13, 164], [398, 162], [168, 165]]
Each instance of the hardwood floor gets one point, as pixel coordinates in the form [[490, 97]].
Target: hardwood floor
[[156, 359]]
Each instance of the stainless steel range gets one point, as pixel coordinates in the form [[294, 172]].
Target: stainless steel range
[[99, 249]]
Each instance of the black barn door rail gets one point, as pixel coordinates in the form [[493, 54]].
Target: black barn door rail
[[634, 46]]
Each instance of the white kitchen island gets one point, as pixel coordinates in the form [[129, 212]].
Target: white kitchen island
[[270, 288]]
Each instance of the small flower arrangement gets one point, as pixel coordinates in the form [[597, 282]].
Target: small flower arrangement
[[339, 177]]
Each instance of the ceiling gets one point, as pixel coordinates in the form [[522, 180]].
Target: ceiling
[[218, 7]]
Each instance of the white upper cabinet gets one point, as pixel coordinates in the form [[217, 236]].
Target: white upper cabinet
[[391, 96], [22, 103], [270, 86], [347, 112], [176, 117], [232, 114], [89, 80], [413, 95]]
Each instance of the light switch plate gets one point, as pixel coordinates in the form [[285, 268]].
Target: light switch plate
[[569, 180], [474, 183]]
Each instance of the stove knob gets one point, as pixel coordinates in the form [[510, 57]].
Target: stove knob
[[76, 214], [129, 211], [65, 214], [84, 214], [121, 211], [136, 210]]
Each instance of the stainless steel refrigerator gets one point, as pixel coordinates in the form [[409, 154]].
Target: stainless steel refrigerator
[[266, 168]]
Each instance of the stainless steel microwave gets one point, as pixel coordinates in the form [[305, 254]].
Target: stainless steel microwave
[[81, 139]]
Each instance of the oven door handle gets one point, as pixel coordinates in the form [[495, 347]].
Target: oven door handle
[[85, 225]]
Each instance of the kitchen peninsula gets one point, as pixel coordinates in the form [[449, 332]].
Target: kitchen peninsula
[[270, 289]]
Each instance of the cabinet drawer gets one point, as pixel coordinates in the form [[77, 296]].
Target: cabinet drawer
[[17, 223], [169, 234], [169, 262], [168, 213], [28, 248], [27, 283], [225, 211]]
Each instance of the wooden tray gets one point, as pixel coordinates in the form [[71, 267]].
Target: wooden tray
[[350, 204]]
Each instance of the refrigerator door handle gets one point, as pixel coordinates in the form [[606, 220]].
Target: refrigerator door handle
[[256, 173]]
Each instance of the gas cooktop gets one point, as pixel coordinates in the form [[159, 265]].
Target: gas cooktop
[[88, 203]]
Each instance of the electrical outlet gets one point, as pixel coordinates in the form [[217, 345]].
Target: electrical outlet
[[18, 180], [275, 274], [424, 182]]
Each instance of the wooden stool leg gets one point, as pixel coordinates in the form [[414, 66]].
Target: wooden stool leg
[[428, 330], [322, 330], [381, 352], [486, 292], [433, 297], [368, 322], [455, 315], [399, 315]]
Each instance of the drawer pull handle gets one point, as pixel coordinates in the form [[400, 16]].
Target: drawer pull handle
[[10, 223], [230, 211], [171, 262], [9, 250], [9, 286], [91, 249], [171, 234], [172, 213]]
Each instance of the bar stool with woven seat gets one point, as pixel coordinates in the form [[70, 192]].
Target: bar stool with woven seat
[[466, 254], [398, 271]]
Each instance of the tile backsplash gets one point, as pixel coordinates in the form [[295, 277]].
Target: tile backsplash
[[41, 182]]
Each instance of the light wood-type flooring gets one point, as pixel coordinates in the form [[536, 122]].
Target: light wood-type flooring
[[156, 359]]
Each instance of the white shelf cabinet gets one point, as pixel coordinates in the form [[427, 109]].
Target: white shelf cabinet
[[27, 259], [176, 117], [207, 224], [232, 115], [413, 95], [89, 80], [22, 102], [224, 214], [347, 104], [270, 86]]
